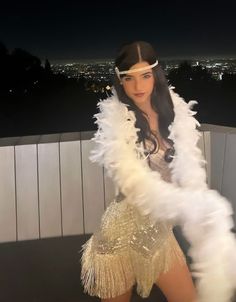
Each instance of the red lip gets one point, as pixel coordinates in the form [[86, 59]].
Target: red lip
[[139, 94]]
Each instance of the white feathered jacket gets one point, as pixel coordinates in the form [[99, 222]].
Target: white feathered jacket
[[204, 215]]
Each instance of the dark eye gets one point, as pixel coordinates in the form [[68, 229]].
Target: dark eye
[[147, 76], [127, 79]]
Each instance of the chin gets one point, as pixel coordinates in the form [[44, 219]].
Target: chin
[[141, 100]]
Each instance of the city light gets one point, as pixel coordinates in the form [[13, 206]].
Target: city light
[[105, 70], [102, 72]]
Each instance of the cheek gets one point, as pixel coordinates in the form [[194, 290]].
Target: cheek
[[151, 85], [127, 88]]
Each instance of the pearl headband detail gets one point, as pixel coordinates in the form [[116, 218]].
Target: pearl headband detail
[[118, 73]]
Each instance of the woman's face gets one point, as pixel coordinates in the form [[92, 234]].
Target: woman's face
[[139, 85]]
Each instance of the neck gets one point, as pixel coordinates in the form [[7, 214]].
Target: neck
[[150, 115], [147, 109]]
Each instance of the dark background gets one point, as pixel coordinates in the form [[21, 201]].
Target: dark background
[[94, 29], [35, 35]]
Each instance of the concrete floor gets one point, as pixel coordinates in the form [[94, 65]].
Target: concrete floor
[[47, 270]]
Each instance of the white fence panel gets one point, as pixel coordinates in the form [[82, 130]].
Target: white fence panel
[[49, 190], [7, 195], [93, 189], [27, 192], [71, 188], [229, 172]]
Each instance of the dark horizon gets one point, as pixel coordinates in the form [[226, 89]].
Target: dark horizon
[[94, 57], [177, 58], [39, 99], [110, 59]]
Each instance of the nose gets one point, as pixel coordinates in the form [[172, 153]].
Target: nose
[[138, 85]]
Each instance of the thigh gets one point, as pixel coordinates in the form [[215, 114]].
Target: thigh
[[122, 298], [177, 284]]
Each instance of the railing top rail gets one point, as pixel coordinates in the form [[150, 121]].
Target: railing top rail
[[45, 138], [84, 135]]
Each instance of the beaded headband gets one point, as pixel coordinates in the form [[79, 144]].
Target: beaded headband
[[118, 73]]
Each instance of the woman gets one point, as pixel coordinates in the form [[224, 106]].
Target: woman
[[144, 143]]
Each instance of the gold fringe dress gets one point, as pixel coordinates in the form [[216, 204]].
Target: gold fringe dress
[[128, 248]]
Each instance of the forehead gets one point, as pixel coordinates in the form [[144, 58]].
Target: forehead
[[139, 68], [138, 65]]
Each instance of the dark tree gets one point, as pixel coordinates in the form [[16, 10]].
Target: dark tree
[[47, 67]]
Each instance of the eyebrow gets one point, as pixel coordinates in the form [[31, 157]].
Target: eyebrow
[[147, 72], [142, 74]]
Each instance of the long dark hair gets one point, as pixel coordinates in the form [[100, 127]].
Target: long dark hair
[[161, 101]]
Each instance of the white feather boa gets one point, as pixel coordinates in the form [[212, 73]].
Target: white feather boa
[[204, 215]]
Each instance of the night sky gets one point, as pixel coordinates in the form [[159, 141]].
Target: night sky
[[66, 30]]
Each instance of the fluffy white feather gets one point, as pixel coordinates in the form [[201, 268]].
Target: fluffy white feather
[[204, 215]]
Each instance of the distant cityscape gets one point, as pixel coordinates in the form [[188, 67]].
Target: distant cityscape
[[102, 71], [42, 96]]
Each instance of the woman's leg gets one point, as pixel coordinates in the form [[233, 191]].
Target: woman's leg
[[177, 284], [123, 298]]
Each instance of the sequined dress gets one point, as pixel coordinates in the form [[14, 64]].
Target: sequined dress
[[128, 248]]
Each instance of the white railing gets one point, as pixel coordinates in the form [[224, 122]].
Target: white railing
[[49, 188]]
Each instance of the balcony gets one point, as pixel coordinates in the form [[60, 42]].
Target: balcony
[[52, 198]]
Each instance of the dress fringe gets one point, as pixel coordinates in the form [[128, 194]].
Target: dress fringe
[[162, 262], [106, 275], [110, 275]]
